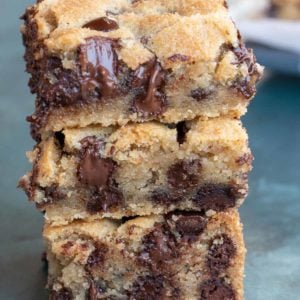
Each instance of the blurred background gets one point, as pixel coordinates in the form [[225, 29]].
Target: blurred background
[[271, 214]]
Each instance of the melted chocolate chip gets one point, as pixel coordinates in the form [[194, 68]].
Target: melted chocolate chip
[[215, 197], [188, 224], [159, 249], [103, 200], [102, 24], [148, 81], [97, 257], [63, 294], [216, 289], [97, 172], [149, 287], [96, 289], [164, 198], [178, 57], [182, 130], [200, 94], [221, 251], [94, 170], [184, 174], [98, 61]]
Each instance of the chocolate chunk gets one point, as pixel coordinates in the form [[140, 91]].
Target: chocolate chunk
[[221, 251], [62, 294], [200, 94], [98, 62], [188, 224], [159, 249], [245, 55], [96, 289], [164, 198], [246, 86], [182, 130], [97, 257], [243, 87], [102, 24], [93, 170], [184, 174], [148, 82], [96, 172], [178, 57], [215, 197], [149, 287], [216, 289], [103, 200], [52, 194]]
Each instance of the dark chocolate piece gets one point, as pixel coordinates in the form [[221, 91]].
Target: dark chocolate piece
[[94, 170], [200, 94], [216, 289], [98, 62], [63, 294], [52, 194], [159, 249], [221, 251], [215, 197], [148, 82], [188, 224], [246, 86], [102, 200], [150, 287], [97, 257], [184, 174], [102, 24], [162, 197], [97, 172]]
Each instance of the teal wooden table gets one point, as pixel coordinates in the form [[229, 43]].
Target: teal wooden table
[[271, 214]]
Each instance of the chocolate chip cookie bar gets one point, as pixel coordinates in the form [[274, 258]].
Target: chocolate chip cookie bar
[[110, 62], [177, 256], [286, 9], [139, 169]]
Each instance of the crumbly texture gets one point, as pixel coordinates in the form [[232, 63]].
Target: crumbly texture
[[111, 62], [139, 169], [286, 9], [176, 256]]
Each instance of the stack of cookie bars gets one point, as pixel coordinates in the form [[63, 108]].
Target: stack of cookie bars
[[141, 160]]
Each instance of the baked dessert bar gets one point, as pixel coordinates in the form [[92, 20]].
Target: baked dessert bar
[[177, 256], [110, 62], [286, 9], [139, 169]]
